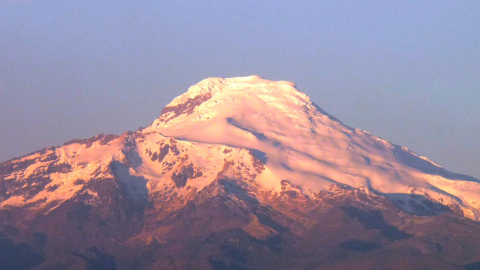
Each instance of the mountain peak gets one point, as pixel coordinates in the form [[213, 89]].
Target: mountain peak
[[214, 94], [252, 79], [300, 143], [217, 85], [219, 126], [242, 166]]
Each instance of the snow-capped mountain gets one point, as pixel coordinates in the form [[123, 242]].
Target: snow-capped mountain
[[261, 148], [265, 131]]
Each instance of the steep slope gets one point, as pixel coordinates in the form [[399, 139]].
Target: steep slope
[[239, 173], [299, 142]]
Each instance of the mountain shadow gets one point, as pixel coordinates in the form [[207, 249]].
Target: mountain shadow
[[373, 219]]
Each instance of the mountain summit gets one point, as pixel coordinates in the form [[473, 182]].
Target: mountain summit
[[299, 142], [236, 173]]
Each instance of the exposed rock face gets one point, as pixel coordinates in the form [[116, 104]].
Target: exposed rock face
[[103, 139], [239, 173], [186, 172], [187, 107]]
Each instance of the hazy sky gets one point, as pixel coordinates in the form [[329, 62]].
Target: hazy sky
[[408, 72]]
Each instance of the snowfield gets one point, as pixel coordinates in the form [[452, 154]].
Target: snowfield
[[246, 128]]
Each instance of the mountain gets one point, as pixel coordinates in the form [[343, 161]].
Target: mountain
[[237, 173]]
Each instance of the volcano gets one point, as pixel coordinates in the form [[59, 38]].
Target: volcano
[[237, 173]]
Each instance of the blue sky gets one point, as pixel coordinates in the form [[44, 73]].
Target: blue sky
[[406, 71]]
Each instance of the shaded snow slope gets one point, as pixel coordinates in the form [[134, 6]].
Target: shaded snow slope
[[259, 131], [301, 143]]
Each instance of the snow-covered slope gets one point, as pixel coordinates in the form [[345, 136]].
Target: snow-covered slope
[[302, 144], [259, 131]]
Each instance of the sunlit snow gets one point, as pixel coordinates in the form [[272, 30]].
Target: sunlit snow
[[239, 121]]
